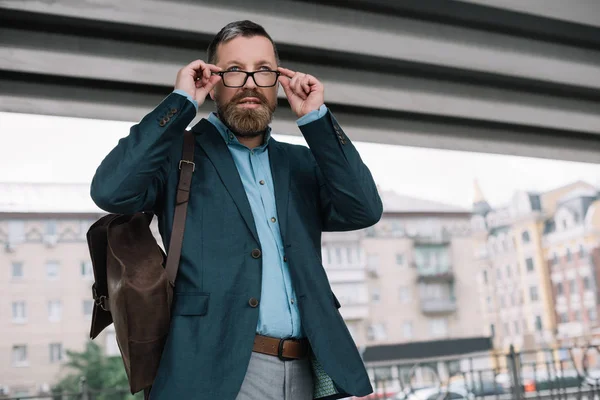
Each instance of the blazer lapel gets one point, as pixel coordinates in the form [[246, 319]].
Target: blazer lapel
[[280, 170], [216, 150]]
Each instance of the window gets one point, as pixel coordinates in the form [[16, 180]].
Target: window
[[573, 286], [88, 307], [17, 270], [376, 332], [587, 283], [338, 255], [499, 274], [502, 302], [485, 277], [399, 259], [581, 251], [592, 314], [56, 352], [538, 323], [559, 289], [569, 256], [405, 295], [16, 231], [54, 310], [19, 355], [506, 329], [19, 312], [555, 259], [533, 293], [87, 270], [52, 269], [492, 330], [517, 327], [349, 255], [438, 327], [529, 264], [375, 296], [328, 255], [578, 316], [51, 228], [525, 237], [112, 348], [564, 317], [508, 271], [407, 330]]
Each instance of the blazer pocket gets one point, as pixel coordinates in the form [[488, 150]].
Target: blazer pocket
[[191, 304], [336, 301]]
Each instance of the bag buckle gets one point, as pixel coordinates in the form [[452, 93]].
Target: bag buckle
[[187, 162], [101, 301]]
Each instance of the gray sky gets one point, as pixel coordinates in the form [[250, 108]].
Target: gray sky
[[37, 148]]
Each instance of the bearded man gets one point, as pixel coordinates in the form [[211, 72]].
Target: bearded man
[[253, 314]]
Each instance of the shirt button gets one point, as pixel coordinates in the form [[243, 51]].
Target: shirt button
[[262, 182], [273, 219]]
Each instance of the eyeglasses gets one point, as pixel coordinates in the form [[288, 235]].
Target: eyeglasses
[[237, 79]]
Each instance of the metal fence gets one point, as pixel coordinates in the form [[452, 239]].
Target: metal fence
[[545, 374], [84, 393]]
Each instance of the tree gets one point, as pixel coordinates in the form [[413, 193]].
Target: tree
[[101, 373]]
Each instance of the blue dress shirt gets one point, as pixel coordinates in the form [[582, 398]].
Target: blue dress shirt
[[279, 315]]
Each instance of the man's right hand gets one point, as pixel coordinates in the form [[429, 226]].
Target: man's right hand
[[196, 79]]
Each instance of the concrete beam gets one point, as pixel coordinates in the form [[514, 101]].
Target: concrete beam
[[367, 35], [60, 56], [451, 135]]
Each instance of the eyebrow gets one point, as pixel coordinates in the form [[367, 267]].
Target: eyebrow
[[260, 62]]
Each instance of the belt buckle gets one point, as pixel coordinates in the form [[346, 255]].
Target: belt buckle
[[280, 351]]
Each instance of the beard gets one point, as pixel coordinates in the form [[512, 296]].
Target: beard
[[250, 122]]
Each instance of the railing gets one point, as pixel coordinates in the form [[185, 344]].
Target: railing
[[84, 393], [436, 306], [546, 374]]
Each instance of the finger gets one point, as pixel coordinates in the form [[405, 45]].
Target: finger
[[286, 85], [306, 84], [210, 84], [286, 72], [297, 86]]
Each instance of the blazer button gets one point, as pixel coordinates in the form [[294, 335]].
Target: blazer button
[[253, 302], [255, 253]]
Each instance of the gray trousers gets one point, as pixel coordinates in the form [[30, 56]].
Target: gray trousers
[[269, 378]]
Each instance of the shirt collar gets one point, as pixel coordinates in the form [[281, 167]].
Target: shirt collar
[[230, 137]]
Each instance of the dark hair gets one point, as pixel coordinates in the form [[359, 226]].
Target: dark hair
[[231, 31]]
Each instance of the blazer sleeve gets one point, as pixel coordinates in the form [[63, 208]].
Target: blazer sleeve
[[348, 194], [132, 176]]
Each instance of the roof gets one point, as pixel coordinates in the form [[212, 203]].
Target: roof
[[430, 349], [396, 203], [67, 198]]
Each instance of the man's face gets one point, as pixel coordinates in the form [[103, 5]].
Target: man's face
[[247, 110]]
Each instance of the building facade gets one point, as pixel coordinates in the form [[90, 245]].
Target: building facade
[[537, 266], [417, 275]]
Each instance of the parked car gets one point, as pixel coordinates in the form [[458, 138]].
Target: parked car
[[436, 393]]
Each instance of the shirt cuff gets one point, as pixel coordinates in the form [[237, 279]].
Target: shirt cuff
[[312, 116], [185, 94]]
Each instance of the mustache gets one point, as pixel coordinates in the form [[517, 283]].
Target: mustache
[[249, 93]]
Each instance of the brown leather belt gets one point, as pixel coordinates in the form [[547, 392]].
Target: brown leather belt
[[285, 349]]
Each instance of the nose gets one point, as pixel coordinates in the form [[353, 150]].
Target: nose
[[250, 84]]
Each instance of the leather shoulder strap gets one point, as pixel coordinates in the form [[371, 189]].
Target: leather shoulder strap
[[186, 168]]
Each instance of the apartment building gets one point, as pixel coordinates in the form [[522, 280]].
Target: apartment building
[[536, 265], [419, 273], [45, 285]]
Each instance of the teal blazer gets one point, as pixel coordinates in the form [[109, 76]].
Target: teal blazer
[[325, 187]]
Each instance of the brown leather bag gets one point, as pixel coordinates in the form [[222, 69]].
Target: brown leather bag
[[133, 289]]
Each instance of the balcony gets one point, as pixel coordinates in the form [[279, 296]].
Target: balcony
[[438, 306], [352, 312], [442, 238], [435, 273]]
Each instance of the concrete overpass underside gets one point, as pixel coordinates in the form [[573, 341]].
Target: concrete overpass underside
[[519, 78]]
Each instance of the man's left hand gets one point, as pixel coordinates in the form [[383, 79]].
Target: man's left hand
[[304, 92]]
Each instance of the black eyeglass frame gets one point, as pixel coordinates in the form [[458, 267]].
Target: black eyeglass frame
[[248, 74]]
